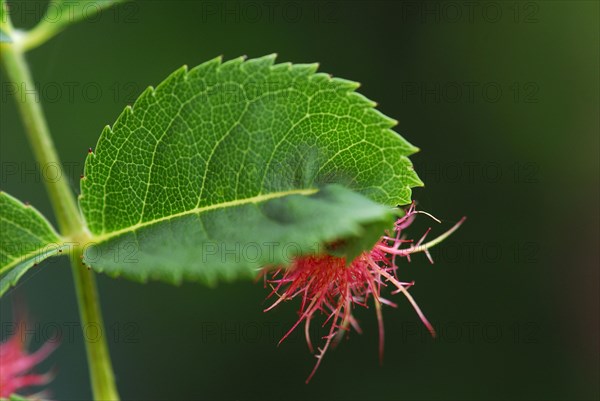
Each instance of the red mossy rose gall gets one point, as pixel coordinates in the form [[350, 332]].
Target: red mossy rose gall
[[327, 285], [17, 365]]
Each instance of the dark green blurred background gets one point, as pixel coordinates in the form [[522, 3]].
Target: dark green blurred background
[[502, 98]]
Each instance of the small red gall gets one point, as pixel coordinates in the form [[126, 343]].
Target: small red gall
[[327, 285], [17, 365]]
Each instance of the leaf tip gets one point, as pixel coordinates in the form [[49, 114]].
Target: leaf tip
[[264, 61], [347, 84], [231, 64], [412, 149]]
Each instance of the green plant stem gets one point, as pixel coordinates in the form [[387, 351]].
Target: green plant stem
[[36, 128], [101, 372], [68, 216], [40, 34]]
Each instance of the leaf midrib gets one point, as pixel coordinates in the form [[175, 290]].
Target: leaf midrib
[[28, 256], [238, 202]]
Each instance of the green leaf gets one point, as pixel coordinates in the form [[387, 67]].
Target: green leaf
[[208, 152], [3, 13], [231, 241], [26, 238], [17, 397]]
